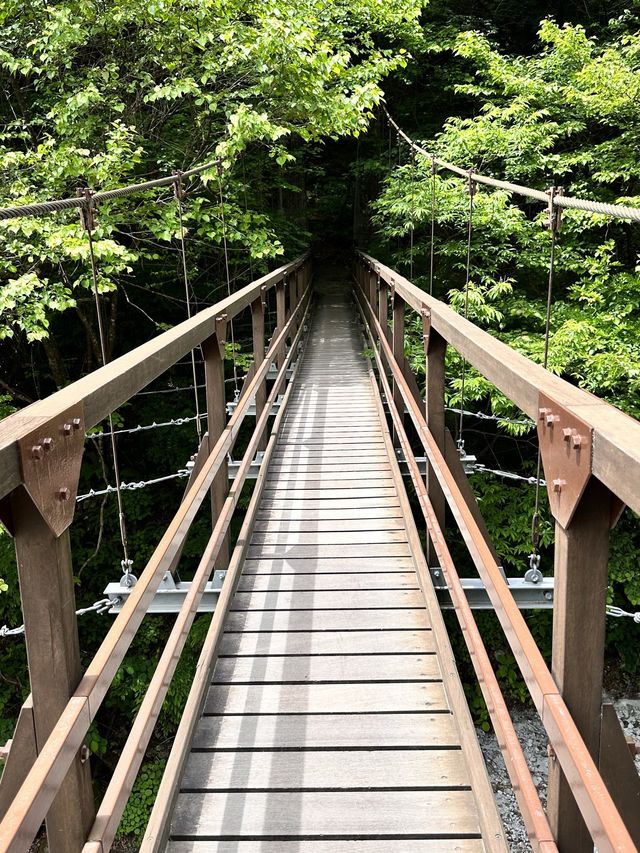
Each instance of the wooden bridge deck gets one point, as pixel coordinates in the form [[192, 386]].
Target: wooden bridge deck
[[335, 720]]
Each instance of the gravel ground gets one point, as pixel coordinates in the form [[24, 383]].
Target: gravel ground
[[534, 743]]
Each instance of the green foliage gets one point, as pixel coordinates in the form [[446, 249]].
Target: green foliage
[[136, 814]]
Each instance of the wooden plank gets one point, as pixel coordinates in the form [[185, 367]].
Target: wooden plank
[[326, 642], [330, 565], [318, 599], [325, 769], [327, 537], [326, 669], [322, 731], [292, 525], [343, 580], [440, 845], [299, 513], [329, 480], [326, 620], [321, 813], [329, 494], [325, 698], [392, 549], [306, 467]]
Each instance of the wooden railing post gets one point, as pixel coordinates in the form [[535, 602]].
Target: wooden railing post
[[40, 514], [582, 508], [372, 292], [281, 318], [383, 307], [213, 353], [257, 323], [435, 350], [398, 308]]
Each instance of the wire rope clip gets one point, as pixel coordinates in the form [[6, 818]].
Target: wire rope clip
[[533, 573]]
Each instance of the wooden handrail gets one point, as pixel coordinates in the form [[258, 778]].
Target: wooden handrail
[[105, 389], [616, 443]]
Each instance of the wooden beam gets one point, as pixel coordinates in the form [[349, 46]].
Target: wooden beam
[[53, 654], [107, 388], [435, 351], [257, 325], [213, 353], [580, 598]]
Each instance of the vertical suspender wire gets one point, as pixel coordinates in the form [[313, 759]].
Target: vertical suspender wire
[[223, 220], [179, 194], [471, 189], [413, 211], [87, 218], [434, 170], [554, 223]]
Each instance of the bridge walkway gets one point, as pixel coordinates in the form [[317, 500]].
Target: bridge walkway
[[335, 720]]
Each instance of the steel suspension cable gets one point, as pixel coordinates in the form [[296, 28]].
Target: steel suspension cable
[[179, 194], [614, 211], [88, 221]]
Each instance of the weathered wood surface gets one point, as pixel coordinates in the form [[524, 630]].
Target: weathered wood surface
[[328, 725]]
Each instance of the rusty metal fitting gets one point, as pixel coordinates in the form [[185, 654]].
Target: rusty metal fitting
[[76, 423], [67, 429], [542, 413], [84, 753], [551, 752], [576, 441], [558, 484], [47, 443], [64, 494], [567, 432], [37, 451], [551, 419]]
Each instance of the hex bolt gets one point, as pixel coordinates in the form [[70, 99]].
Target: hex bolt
[[76, 423], [37, 451], [542, 413], [576, 441], [66, 429], [64, 494], [558, 484], [84, 753], [47, 443], [567, 432], [550, 419]]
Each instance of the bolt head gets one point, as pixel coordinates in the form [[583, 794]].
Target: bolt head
[[47, 443], [76, 423], [84, 753], [576, 441], [37, 451], [557, 485], [67, 429], [567, 432], [64, 494], [542, 414], [550, 418]]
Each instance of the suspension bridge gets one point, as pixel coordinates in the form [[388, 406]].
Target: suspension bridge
[[326, 712]]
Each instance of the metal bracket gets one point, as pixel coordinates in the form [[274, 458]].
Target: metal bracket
[[221, 333], [566, 444], [50, 461], [426, 327]]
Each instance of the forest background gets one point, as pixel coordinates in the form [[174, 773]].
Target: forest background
[[288, 93]]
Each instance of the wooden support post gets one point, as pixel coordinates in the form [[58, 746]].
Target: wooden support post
[[280, 319], [398, 348], [372, 293], [435, 348], [48, 600], [257, 323], [383, 308], [293, 301], [213, 353], [580, 597]]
